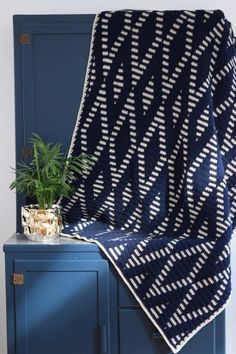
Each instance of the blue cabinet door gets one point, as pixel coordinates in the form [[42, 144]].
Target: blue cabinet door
[[62, 307], [49, 74], [50, 66]]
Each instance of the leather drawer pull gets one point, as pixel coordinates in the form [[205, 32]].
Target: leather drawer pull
[[156, 335]]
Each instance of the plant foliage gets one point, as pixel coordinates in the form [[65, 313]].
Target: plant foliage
[[50, 174]]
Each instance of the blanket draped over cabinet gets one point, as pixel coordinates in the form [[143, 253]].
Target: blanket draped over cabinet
[[158, 112]]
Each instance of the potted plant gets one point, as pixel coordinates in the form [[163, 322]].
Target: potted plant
[[47, 177]]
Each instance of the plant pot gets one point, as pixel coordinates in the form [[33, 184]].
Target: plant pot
[[41, 224]]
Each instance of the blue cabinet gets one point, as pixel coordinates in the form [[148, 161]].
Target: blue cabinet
[[66, 298], [71, 300]]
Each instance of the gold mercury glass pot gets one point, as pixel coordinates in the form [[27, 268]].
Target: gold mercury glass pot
[[41, 224]]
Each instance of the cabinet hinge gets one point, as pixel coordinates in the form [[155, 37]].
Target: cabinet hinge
[[18, 279], [26, 151], [24, 38]]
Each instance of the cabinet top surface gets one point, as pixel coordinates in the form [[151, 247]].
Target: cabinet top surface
[[49, 17], [19, 243]]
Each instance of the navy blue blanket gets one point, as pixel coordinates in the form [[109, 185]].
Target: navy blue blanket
[[158, 111]]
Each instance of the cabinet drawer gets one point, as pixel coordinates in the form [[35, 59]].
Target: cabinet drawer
[[139, 336]]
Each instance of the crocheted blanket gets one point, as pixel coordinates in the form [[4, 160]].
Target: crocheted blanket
[[158, 112]]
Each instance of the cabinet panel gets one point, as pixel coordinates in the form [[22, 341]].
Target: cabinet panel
[[62, 305], [54, 65]]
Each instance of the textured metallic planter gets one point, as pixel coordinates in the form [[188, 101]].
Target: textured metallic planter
[[41, 224]]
